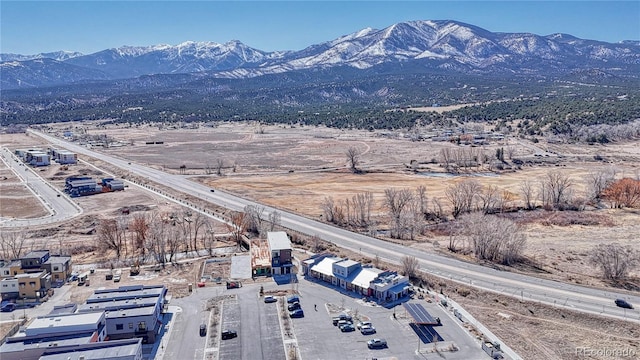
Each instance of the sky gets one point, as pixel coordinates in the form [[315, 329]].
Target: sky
[[31, 27]]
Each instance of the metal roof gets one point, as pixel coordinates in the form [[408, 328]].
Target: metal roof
[[420, 315]]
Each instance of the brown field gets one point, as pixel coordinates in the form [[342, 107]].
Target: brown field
[[295, 168]]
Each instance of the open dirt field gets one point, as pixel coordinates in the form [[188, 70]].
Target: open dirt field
[[295, 168]]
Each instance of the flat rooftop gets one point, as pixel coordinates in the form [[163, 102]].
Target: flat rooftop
[[102, 296], [113, 349], [21, 343], [49, 323], [278, 240], [143, 311], [116, 305]]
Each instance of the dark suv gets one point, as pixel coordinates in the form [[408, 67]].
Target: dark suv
[[623, 304], [228, 334], [203, 330]]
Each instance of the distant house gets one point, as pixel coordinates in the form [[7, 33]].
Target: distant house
[[9, 289], [36, 158], [64, 156], [58, 266], [33, 285], [280, 248]]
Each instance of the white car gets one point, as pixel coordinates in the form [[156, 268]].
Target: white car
[[363, 323], [367, 330]]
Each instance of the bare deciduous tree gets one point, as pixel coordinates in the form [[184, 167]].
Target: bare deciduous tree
[[556, 190], [254, 218], [237, 227], [140, 227], [362, 205], [493, 238], [353, 158], [421, 195], [528, 194], [410, 266], [489, 199], [328, 208], [157, 237], [615, 260], [219, 166], [12, 244], [597, 181], [209, 236], [462, 196], [396, 202], [316, 243], [111, 235], [274, 219]]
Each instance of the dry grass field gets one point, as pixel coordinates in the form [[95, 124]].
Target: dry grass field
[[295, 168]]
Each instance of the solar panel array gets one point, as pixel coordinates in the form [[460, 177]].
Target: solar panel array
[[426, 333], [420, 314]]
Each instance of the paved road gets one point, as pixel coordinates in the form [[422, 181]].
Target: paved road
[[59, 205], [579, 298]]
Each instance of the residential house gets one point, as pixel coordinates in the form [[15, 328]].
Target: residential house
[[280, 247], [9, 289], [33, 285]]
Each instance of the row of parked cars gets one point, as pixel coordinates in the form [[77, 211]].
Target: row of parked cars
[[345, 323], [294, 307]]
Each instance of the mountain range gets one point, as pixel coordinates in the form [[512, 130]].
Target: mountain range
[[443, 46]]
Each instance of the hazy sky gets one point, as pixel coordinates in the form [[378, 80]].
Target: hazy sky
[[29, 27]]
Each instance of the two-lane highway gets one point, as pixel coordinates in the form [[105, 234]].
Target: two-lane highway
[[529, 288]]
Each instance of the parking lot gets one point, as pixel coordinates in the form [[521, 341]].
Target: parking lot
[[257, 325], [318, 338]]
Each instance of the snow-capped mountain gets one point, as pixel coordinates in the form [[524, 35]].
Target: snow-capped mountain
[[56, 55], [443, 44], [44, 72], [189, 56]]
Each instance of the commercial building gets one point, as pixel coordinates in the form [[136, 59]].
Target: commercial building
[[58, 332], [127, 349], [130, 311], [384, 286]]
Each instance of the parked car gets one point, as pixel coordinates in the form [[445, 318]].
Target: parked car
[[363, 323], [294, 306], [203, 329], [293, 298], [623, 304], [296, 313], [347, 327], [367, 330], [234, 284], [116, 278], [377, 343], [228, 334], [8, 307], [270, 299], [342, 323]]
